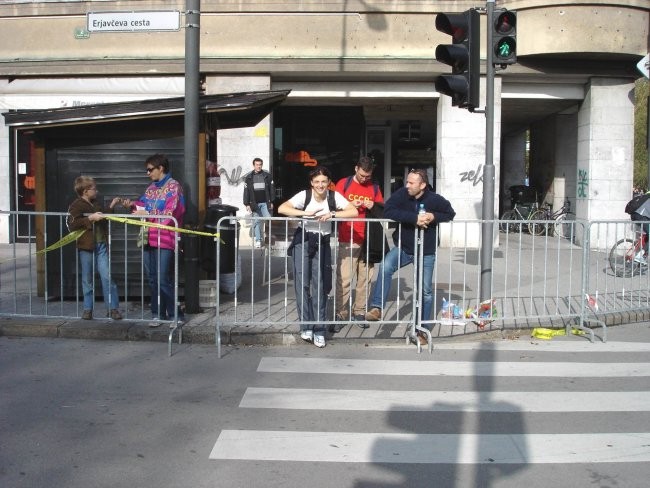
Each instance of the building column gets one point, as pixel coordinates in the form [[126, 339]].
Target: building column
[[605, 149], [460, 158], [236, 148]]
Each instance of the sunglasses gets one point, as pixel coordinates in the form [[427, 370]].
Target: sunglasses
[[150, 169]]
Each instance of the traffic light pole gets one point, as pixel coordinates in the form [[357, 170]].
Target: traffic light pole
[[487, 227]]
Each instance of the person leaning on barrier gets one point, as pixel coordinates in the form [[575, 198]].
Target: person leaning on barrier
[[258, 197], [403, 206], [310, 250], [92, 245], [352, 264], [164, 196]]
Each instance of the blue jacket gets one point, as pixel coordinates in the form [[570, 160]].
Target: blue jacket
[[404, 208]]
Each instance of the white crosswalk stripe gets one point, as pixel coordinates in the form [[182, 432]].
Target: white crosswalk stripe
[[598, 383]]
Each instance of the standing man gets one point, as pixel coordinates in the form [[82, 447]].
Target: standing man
[[164, 196], [415, 206], [364, 194], [258, 197]]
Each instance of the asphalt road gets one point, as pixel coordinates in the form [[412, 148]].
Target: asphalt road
[[84, 414]]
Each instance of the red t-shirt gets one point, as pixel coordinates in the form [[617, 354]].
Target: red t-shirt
[[356, 191]]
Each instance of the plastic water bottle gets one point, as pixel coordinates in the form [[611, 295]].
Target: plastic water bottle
[[421, 209], [445, 308]]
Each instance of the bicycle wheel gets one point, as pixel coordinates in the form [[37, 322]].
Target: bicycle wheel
[[621, 258], [563, 227], [537, 228], [506, 224]]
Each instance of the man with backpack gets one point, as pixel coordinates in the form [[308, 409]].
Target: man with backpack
[[639, 210], [364, 194]]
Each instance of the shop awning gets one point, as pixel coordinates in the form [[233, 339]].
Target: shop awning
[[226, 111]]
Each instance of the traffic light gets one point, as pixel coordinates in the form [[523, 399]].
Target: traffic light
[[504, 37], [462, 85]]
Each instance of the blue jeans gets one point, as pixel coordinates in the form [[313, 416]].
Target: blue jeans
[[258, 226], [163, 304], [395, 259], [311, 288], [109, 288]]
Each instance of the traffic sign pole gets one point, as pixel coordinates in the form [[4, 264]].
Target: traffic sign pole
[[487, 227]]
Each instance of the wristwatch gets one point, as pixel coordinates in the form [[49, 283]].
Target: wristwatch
[[333, 215]]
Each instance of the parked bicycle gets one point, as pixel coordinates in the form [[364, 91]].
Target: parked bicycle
[[540, 221], [629, 257], [511, 219]]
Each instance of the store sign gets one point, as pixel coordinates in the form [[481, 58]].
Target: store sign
[[134, 21]]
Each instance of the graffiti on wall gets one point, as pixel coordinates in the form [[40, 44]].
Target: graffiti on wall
[[473, 176], [235, 177], [583, 183]]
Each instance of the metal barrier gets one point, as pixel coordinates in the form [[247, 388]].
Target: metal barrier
[[588, 274], [548, 280], [34, 283]]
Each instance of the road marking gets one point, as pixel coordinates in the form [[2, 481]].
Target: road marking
[[452, 368], [348, 447], [547, 346], [446, 401]]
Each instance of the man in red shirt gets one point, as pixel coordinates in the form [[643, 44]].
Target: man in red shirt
[[363, 193]]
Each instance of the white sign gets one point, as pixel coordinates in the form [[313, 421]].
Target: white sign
[[134, 21], [643, 65]]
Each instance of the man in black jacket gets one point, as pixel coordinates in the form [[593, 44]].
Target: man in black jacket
[[258, 197], [415, 206]]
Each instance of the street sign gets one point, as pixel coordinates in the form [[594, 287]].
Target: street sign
[[134, 21], [642, 65]]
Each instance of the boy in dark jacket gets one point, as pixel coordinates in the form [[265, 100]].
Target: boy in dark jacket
[[414, 206], [93, 246]]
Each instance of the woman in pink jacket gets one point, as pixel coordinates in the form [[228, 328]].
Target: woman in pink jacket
[[164, 196]]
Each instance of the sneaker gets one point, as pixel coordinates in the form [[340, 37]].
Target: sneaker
[[258, 244], [640, 258], [374, 314], [360, 321], [114, 314], [423, 338], [343, 315], [307, 335], [319, 340], [87, 315], [180, 323], [155, 322]]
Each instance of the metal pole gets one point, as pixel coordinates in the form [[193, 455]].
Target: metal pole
[[192, 80], [487, 227]]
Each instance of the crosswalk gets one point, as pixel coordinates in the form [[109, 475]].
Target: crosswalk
[[529, 402]]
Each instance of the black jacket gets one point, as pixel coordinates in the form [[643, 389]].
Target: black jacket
[[249, 191]]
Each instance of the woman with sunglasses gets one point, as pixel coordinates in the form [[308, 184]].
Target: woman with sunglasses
[[310, 249], [164, 196]]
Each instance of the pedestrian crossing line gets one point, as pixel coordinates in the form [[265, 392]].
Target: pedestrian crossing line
[[445, 401], [570, 345], [353, 447], [451, 368]]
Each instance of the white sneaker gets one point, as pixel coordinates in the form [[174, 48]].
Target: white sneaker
[[307, 335], [319, 340], [258, 244], [640, 258], [155, 323]]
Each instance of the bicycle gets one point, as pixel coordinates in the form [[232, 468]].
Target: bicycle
[[561, 226], [515, 214], [629, 257]]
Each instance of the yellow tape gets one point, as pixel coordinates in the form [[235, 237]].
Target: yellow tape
[[144, 223], [71, 237], [74, 235], [548, 334]]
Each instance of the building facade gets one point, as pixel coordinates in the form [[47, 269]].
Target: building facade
[[361, 75]]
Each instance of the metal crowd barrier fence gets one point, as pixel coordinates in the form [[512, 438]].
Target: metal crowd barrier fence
[[39, 283], [559, 278]]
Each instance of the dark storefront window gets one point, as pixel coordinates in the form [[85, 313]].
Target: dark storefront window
[[307, 136]]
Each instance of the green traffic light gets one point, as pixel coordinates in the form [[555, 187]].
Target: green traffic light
[[505, 49]]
